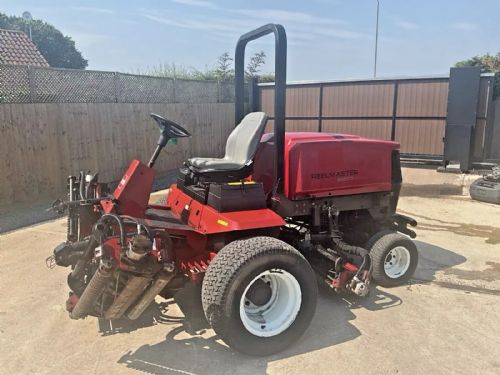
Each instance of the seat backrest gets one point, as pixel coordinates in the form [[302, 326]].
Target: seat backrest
[[241, 145]]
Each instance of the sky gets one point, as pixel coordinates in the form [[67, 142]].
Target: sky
[[327, 39]]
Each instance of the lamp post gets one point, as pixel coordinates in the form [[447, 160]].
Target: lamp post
[[376, 42], [28, 18]]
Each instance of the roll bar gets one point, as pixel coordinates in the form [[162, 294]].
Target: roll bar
[[279, 89]]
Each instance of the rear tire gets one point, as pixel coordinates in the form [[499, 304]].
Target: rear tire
[[259, 295], [394, 258]]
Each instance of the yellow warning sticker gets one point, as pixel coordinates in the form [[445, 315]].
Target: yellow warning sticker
[[222, 222], [242, 183]]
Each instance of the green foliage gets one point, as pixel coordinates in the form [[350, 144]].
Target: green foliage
[[222, 71], [266, 77], [169, 70], [59, 50], [255, 63], [488, 64]]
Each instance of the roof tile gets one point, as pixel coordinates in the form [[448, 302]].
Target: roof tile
[[17, 49]]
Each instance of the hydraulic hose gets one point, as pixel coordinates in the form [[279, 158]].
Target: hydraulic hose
[[345, 248], [94, 241], [120, 223], [143, 225], [336, 243], [82, 262], [82, 185]]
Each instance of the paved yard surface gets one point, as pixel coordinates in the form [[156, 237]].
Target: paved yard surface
[[446, 321]]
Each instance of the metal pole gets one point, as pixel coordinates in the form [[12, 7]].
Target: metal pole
[[27, 18], [376, 42], [320, 114], [394, 111]]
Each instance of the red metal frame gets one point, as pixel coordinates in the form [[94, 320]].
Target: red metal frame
[[206, 220], [133, 191], [193, 254]]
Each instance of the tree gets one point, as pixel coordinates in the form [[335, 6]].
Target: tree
[[223, 69], [488, 64], [255, 63], [59, 50]]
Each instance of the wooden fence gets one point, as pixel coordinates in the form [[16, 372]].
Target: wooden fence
[[41, 144], [56, 122], [411, 111]]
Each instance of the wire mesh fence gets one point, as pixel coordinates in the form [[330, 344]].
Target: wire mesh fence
[[142, 89], [14, 84], [26, 84], [49, 85]]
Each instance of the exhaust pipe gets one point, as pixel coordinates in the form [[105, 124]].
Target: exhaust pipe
[[149, 295], [92, 292]]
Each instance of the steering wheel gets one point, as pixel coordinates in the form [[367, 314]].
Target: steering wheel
[[168, 130]]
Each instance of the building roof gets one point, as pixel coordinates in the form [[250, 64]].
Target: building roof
[[17, 49]]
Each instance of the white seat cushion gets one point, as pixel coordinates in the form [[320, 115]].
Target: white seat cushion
[[241, 145]]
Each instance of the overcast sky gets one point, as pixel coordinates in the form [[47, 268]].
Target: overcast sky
[[327, 39]]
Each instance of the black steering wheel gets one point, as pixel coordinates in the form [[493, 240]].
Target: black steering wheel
[[168, 130]]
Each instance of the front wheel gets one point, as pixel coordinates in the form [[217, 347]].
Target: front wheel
[[259, 295], [394, 258]]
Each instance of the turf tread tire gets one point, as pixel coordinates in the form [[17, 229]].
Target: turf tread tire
[[377, 236], [379, 245], [218, 292]]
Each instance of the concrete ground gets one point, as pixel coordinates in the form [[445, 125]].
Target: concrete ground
[[447, 320], [21, 214]]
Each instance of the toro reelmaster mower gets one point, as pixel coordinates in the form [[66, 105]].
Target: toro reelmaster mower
[[251, 226]]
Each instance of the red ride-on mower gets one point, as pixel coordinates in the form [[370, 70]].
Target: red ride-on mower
[[250, 226]]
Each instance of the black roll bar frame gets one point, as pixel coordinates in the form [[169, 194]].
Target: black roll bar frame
[[279, 89]]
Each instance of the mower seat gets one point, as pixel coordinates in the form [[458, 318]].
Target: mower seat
[[241, 146]]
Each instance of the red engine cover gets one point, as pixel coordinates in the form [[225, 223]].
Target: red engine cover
[[323, 164]]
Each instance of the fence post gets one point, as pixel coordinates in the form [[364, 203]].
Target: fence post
[[116, 84], [174, 84], [253, 95], [218, 91], [394, 111], [320, 114], [32, 84], [490, 117]]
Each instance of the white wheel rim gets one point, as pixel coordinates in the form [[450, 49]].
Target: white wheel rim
[[279, 312], [397, 262]]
